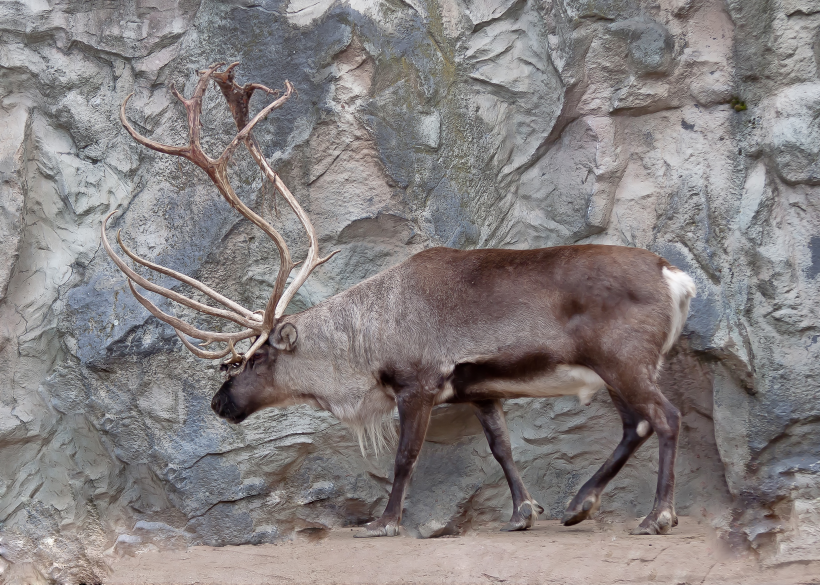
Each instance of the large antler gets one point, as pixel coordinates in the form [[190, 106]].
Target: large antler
[[217, 169]]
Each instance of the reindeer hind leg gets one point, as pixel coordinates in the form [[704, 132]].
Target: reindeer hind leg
[[665, 420], [635, 432]]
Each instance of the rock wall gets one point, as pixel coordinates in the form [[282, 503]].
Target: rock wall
[[688, 127]]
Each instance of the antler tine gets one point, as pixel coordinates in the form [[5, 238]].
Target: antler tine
[[183, 151], [189, 281], [168, 293], [274, 312], [208, 355], [246, 130], [181, 326], [193, 109], [205, 77], [238, 97]]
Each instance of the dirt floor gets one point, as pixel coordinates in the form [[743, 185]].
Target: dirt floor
[[590, 553]]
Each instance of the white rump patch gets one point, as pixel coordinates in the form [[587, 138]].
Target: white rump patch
[[564, 380], [681, 288]]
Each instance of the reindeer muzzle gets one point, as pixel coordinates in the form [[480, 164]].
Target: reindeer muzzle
[[224, 406]]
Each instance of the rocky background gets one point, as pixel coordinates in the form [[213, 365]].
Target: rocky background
[[688, 127]]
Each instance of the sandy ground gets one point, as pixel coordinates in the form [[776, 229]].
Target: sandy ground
[[589, 553]]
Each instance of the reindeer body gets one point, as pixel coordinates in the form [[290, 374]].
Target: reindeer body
[[444, 326], [451, 326]]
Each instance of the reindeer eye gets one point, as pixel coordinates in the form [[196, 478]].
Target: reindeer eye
[[257, 359]]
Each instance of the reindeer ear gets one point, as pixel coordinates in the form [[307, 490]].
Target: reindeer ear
[[284, 336]]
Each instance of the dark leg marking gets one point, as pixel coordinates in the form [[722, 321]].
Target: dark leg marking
[[588, 498], [414, 405], [665, 420], [525, 509]]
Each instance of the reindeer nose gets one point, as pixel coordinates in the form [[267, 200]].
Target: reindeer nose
[[224, 406]]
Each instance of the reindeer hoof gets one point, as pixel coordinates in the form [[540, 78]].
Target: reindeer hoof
[[656, 524], [378, 528], [524, 517], [588, 508]]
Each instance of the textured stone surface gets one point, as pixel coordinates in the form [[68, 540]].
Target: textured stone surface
[[444, 122]]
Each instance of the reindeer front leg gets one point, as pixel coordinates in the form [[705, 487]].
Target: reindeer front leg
[[525, 510], [414, 405]]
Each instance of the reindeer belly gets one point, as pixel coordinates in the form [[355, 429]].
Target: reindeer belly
[[561, 380]]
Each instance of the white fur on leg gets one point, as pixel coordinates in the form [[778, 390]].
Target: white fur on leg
[[665, 522], [389, 529]]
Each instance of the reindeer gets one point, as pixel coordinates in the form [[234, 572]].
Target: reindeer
[[445, 326]]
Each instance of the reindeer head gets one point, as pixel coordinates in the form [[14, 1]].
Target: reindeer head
[[255, 388], [264, 329]]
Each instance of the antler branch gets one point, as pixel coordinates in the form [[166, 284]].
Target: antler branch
[[252, 320], [238, 98], [186, 328], [187, 280]]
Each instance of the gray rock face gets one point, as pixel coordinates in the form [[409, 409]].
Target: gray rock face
[[794, 140], [449, 122]]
